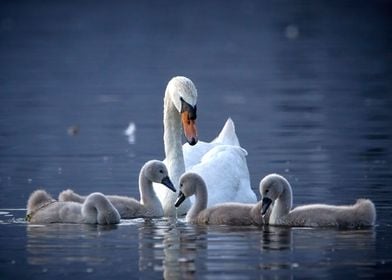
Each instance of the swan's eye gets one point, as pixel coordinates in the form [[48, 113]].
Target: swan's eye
[[186, 107]]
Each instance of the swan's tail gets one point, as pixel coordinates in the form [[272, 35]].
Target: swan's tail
[[227, 136]]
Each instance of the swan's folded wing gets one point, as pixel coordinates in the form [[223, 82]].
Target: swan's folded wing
[[194, 154], [227, 214], [226, 174], [127, 207]]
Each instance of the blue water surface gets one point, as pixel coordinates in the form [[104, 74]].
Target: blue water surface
[[307, 83]]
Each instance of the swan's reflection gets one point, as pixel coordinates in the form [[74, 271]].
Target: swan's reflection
[[278, 239], [63, 243], [150, 242], [181, 250], [286, 251], [171, 247]]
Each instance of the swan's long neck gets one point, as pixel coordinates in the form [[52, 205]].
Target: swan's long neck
[[199, 204], [283, 204], [147, 194], [174, 156], [172, 140], [98, 209]]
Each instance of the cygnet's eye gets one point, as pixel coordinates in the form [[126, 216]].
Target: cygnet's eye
[[161, 171], [266, 191], [181, 185]]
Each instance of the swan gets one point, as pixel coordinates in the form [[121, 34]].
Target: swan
[[97, 209], [277, 190], [229, 213], [149, 205], [211, 160]]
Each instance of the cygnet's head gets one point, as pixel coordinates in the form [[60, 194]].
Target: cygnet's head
[[271, 187], [156, 171], [183, 95], [189, 183]]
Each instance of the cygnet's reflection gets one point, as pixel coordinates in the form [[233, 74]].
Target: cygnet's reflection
[[63, 243], [276, 238], [290, 250]]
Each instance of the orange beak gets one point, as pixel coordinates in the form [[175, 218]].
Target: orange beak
[[189, 127]]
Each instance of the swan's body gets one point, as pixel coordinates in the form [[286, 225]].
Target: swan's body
[[277, 190], [210, 160], [97, 209], [230, 213], [128, 207]]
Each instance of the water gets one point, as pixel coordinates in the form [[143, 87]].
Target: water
[[309, 88]]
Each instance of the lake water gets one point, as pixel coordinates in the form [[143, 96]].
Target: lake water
[[307, 83]]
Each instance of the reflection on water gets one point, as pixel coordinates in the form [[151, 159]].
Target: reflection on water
[[44, 249], [277, 238], [184, 251], [179, 250], [156, 248]]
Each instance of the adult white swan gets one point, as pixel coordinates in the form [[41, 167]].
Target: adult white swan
[[221, 163]]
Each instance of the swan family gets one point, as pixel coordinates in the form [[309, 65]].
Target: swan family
[[213, 175]]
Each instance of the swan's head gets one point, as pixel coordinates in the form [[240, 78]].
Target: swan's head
[[189, 182], [271, 187], [156, 171], [183, 95]]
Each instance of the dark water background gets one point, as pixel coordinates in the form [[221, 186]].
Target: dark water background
[[307, 83]]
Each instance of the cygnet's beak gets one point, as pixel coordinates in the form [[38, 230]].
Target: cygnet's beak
[[265, 205], [181, 197], [168, 183]]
